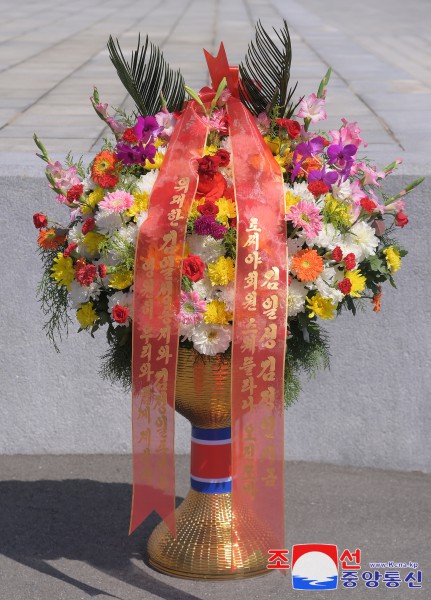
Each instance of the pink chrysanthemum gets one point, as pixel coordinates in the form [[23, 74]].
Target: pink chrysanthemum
[[117, 201], [307, 216], [191, 308]]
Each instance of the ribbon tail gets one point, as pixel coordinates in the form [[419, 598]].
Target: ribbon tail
[[218, 67]]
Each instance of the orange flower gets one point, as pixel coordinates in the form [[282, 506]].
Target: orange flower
[[376, 302], [307, 264], [49, 240], [310, 164], [103, 169]]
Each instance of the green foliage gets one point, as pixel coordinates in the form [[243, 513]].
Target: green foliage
[[124, 251], [307, 350], [265, 73], [79, 164], [147, 77], [117, 361], [229, 243], [53, 300]]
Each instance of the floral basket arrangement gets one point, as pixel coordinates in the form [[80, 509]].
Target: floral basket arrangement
[[337, 224]]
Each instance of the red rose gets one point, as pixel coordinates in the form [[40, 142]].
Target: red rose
[[193, 267], [89, 225], [224, 157], [102, 270], [317, 188], [401, 219], [71, 248], [120, 313], [293, 127], [345, 286], [40, 220], [212, 189], [208, 208], [350, 261], [130, 136], [75, 192], [86, 274], [368, 205], [337, 254], [208, 166]]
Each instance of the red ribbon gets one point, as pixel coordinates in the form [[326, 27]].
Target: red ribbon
[[259, 331]]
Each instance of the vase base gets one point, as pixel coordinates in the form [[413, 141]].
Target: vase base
[[203, 546]]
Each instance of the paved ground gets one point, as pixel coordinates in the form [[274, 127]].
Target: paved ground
[[64, 520], [52, 52]]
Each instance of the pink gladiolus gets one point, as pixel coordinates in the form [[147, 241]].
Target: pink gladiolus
[[166, 121], [312, 108], [263, 123], [349, 134]]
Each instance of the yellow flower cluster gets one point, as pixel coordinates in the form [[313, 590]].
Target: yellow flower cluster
[[86, 315], [393, 258], [62, 271], [158, 161], [92, 200], [217, 313], [121, 280], [337, 212], [222, 271], [226, 210], [320, 306], [358, 282], [290, 200], [92, 241], [140, 203]]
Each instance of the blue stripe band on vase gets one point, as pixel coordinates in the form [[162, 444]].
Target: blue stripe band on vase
[[200, 433], [207, 487]]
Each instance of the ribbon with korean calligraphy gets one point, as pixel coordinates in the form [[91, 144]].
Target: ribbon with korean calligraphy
[[158, 269], [259, 333]]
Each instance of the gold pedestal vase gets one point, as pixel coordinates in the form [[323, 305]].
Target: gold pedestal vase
[[203, 546]]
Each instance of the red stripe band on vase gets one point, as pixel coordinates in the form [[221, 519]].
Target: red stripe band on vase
[[211, 460]]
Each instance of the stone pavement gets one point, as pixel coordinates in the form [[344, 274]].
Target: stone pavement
[[64, 522], [52, 53]]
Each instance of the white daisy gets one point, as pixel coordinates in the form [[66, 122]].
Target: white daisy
[[361, 240], [129, 233], [328, 237], [301, 191], [342, 190], [79, 294], [146, 182], [210, 339], [205, 289], [296, 295], [226, 293], [206, 247]]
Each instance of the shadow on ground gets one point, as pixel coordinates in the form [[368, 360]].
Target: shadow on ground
[[82, 520]]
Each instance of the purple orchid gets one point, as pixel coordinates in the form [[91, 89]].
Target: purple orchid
[[305, 150], [132, 155], [145, 128], [328, 178]]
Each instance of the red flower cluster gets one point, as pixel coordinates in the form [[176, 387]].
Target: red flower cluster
[[193, 267], [317, 188], [75, 192], [345, 286], [293, 127], [350, 261], [102, 270], [120, 313], [71, 248], [86, 274], [130, 136], [208, 208], [89, 225], [401, 219], [337, 254], [368, 205], [40, 220]]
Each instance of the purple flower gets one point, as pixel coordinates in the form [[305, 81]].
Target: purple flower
[[132, 155], [340, 155], [145, 128], [305, 150], [327, 178], [207, 225]]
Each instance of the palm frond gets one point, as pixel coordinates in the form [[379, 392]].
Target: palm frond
[[265, 73], [147, 76]]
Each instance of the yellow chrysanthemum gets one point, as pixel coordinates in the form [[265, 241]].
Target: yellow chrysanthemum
[[62, 271], [92, 241], [159, 142], [121, 280], [358, 282], [393, 258], [140, 203], [158, 161], [320, 306], [216, 313], [210, 150], [226, 210], [86, 315], [337, 212], [281, 160], [222, 271], [92, 200], [273, 143]]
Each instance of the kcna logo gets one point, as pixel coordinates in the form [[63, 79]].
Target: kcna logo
[[314, 567]]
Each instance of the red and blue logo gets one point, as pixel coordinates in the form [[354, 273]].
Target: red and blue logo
[[314, 567]]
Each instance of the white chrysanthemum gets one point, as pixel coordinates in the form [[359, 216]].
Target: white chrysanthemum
[[328, 237], [186, 331], [205, 289], [129, 233], [75, 236], [107, 222], [146, 182], [361, 240], [301, 191], [79, 294], [226, 144], [206, 247], [296, 295], [227, 173], [88, 184], [121, 299], [325, 284], [226, 293], [141, 218], [342, 191], [210, 339]]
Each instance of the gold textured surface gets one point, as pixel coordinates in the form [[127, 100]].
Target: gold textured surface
[[203, 390], [203, 546]]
